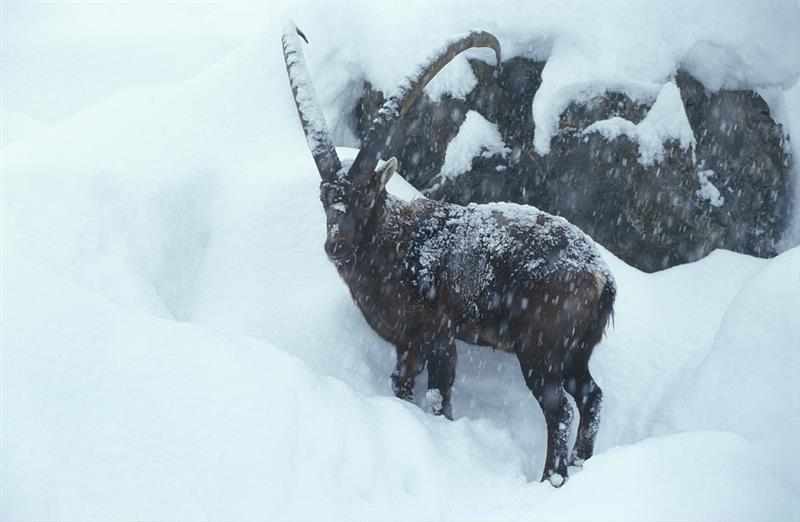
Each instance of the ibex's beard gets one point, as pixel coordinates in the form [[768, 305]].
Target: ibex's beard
[[339, 253], [341, 256], [343, 262]]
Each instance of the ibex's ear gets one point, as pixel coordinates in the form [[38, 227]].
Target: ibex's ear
[[386, 171]]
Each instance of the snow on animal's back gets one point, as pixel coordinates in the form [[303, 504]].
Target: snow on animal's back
[[474, 244], [558, 245]]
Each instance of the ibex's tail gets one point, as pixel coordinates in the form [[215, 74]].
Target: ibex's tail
[[317, 135], [607, 298], [401, 101]]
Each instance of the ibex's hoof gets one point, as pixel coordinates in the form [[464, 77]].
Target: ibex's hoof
[[408, 397], [402, 390], [557, 480], [576, 462], [435, 403]]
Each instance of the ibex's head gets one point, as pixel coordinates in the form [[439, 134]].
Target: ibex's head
[[351, 196], [348, 209]]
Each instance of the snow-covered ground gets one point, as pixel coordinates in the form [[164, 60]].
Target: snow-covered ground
[[175, 345]]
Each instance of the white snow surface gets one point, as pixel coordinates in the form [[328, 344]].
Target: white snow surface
[[16, 126], [176, 346], [477, 136], [665, 121]]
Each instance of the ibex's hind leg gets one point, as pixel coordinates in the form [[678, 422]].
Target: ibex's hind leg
[[545, 382], [588, 397], [441, 375]]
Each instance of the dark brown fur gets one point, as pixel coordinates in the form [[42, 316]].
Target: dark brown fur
[[426, 273]]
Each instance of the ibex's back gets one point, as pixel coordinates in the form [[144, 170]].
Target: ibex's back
[[425, 273]]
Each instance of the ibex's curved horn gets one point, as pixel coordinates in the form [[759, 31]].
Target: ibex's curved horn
[[407, 93], [311, 117]]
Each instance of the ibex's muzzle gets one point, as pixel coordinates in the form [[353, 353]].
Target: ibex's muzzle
[[337, 250], [340, 240]]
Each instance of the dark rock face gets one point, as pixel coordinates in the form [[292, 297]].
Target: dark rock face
[[652, 217]]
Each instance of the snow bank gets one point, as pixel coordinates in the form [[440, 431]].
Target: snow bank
[[112, 414], [17, 126], [176, 346], [754, 352], [661, 479]]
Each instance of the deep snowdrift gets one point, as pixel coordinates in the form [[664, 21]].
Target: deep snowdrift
[[176, 346]]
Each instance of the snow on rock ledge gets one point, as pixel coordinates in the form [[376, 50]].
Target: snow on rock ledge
[[665, 121], [476, 137], [456, 79], [708, 191]]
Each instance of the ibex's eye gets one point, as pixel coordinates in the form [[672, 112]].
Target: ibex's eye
[[330, 194]]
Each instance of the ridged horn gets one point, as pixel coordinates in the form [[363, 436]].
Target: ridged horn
[[398, 104], [312, 119]]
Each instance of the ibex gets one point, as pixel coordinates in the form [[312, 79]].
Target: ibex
[[425, 273]]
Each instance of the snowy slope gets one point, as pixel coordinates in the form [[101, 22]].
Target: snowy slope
[[176, 346]]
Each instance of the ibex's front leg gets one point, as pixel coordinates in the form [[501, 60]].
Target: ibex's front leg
[[440, 356], [441, 375], [409, 364]]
